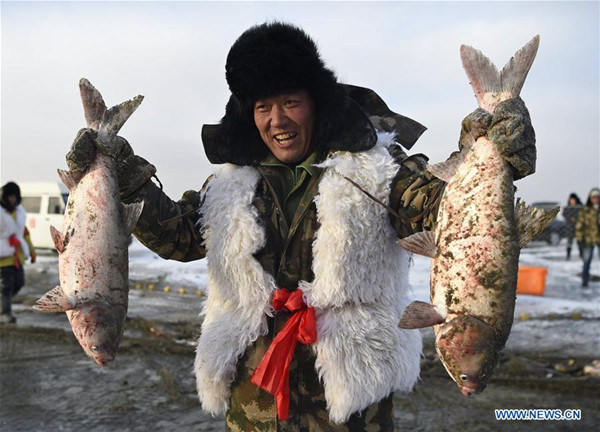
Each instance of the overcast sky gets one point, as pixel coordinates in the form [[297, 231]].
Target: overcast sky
[[174, 54]]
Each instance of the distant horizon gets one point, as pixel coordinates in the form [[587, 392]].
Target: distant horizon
[[174, 54]]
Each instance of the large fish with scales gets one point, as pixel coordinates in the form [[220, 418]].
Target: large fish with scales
[[475, 247], [92, 247]]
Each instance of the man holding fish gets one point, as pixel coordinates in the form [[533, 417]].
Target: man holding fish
[[296, 253]]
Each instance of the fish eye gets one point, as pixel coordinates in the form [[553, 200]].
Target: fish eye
[[463, 377], [482, 376], [95, 348]]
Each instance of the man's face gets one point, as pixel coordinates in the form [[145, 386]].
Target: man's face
[[285, 122]]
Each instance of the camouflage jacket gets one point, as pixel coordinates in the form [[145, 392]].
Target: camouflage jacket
[[587, 228], [287, 255], [172, 229]]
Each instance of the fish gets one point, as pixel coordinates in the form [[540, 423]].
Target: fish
[[476, 244], [93, 243]]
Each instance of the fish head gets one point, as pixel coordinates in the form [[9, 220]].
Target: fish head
[[468, 350], [98, 327]]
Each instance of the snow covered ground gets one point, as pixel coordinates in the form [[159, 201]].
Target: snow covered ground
[[44, 374], [563, 295], [564, 321]]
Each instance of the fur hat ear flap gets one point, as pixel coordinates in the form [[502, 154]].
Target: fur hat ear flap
[[342, 124], [235, 140]]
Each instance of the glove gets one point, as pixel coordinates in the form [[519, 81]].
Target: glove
[[132, 170], [510, 129]]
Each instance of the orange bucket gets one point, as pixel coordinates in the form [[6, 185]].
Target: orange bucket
[[531, 280]]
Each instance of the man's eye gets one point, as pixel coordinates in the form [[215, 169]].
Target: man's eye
[[291, 102], [261, 108]]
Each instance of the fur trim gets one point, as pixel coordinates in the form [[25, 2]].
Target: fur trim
[[238, 288], [352, 228], [359, 291], [360, 287], [362, 355]]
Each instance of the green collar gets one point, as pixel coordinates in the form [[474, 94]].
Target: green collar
[[306, 165]]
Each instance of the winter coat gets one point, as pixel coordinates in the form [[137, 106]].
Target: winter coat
[[339, 248], [587, 229], [570, 213], [337, 238], [13, 226]]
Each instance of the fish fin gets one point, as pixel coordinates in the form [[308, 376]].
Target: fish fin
[[132, 214], [531, 221], [482, 73], [57, 238], [514, 73], [54, 300], [70, 178], [422, 243], [114, 119], [446, 170], [420, 314], [93, 104]]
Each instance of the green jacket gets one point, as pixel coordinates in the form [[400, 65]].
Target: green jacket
[[288, 257], [171, 229], [587, 228]]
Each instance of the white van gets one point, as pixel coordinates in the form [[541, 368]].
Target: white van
[[45, 205]]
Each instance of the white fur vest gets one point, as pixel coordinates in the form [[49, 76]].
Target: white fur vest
[[359, 290], [8, 227]]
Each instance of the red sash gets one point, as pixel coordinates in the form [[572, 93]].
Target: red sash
[[272, 374], [14, 242]]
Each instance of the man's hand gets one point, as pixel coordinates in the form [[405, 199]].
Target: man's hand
[[510, 129], [132, 170], [33, 258]]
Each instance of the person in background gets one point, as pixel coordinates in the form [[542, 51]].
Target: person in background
[[15, 247], [570, 212], [587, 232]]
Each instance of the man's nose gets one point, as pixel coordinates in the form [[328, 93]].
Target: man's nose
[[278, 117]]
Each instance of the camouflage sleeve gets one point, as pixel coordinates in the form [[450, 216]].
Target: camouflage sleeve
[[415, 195], [579, 226], [168, 227]]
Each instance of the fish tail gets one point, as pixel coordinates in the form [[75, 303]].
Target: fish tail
[[93, 104], [107, 122], [485, 79], [482, 73]]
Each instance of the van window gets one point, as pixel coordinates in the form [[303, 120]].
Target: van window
[[65, 197], [32, 204], [54, 205]]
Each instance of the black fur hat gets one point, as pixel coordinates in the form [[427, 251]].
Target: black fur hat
[[10, 188], [264, 61], [271, 58]]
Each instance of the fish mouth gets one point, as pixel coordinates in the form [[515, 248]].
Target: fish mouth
[[103, 360], [468, 391]]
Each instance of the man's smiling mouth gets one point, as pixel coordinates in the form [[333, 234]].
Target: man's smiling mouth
[[285, 137]]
